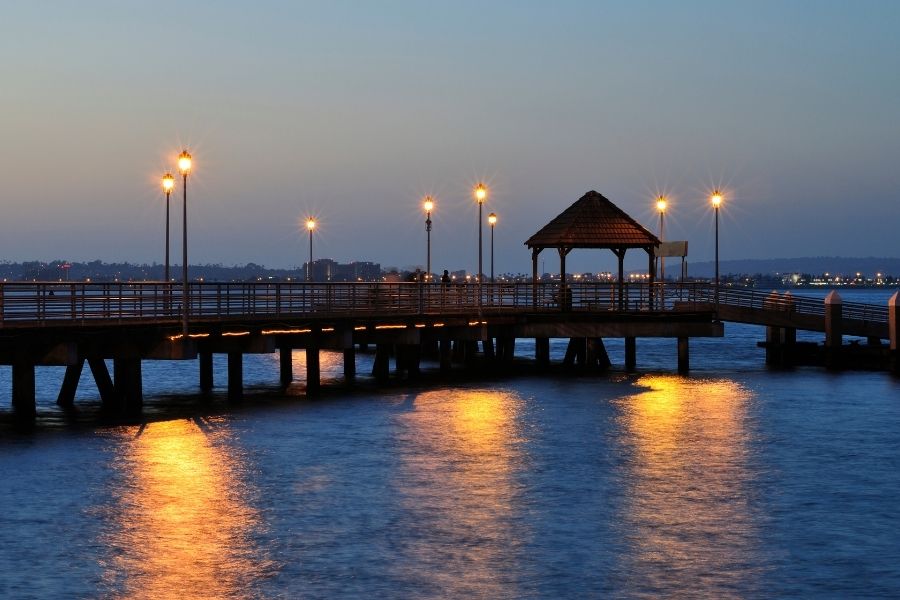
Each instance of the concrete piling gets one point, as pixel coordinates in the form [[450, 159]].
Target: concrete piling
[[286, 366], [630, 354], [235, 376], [833, 330], [894, 331]]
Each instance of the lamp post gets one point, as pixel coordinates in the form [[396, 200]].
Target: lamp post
[[480, 196], [492, 220], [184, 165], [661, 207], [428, 205], [310, 225], [716, 200], [168, 182]]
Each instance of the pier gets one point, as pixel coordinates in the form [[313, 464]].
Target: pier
[[73, 324]]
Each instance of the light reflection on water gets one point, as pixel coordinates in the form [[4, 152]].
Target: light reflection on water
[[458, 449], [182, 523], [688, 517]]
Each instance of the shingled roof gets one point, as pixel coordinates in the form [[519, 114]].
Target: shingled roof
[[592, 222]]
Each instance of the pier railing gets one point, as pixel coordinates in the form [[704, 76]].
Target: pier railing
[[55, 303]]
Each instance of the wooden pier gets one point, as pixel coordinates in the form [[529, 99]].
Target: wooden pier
[[70, 324]]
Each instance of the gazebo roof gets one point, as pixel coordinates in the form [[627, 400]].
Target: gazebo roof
[[592, 222]]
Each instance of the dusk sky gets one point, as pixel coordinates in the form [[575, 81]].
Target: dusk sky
[[352, 111]]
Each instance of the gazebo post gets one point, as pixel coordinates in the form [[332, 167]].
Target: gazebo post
[[565, 296], [620, 254], [534, 276], [651, 271]]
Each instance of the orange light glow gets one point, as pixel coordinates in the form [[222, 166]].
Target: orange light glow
[[716, 198], [310, 223], [480, 193], [661, 204], [428, 204], [184, 162], [687, 441], [168, 182], [492, 219], [184, 523]]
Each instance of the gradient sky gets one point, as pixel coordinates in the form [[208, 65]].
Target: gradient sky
[[352, 111]]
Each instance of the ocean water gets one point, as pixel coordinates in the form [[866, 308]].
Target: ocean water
[[733, 482]]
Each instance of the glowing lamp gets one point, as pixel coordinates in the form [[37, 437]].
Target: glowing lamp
[[184, 162], [480, 192]]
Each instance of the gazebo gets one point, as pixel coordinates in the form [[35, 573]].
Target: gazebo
[[593, 222]]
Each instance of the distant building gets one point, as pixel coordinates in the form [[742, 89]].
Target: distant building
[[326, 269]]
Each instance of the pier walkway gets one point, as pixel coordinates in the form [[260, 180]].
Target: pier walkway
[[68, 324]]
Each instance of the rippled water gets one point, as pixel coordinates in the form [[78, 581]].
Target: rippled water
[[733, 482]]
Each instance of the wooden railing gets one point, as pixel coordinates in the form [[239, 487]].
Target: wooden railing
[[43, 303]]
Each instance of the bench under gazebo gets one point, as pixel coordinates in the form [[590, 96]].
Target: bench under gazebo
[[593, 222]]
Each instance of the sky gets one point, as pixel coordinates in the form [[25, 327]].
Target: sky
[[353, 111]]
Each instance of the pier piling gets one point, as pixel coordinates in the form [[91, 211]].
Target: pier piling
[[23, 396], [833, 330], [286, 365], [684, 362], [313, 371], [894, 331], [66, 397], [235, 376], [630, 354], [206, 372]]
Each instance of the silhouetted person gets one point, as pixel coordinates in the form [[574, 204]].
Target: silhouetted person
[[445, 278]]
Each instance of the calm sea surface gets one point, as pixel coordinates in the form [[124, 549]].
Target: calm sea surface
[[735, 481]]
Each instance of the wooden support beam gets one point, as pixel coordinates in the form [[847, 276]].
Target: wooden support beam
[[487, 346], [542, 351], [23, 394], [684, 362], [412, 358], [574, 352], [235, 376], [349, 364], [128, 383], [381, 366], [285, 366], [596, 356], [446, 350], [506, 349], [108, 397], [313, 371], [206, 372], [470, 351], [66, 397], [774, 340], [630, 354]]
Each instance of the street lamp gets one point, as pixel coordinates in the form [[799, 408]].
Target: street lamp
[[716, 200], [310, 225], [428, 205], [184, 165], [480, 196], [168, 183], [661, 204], [492, 220]]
